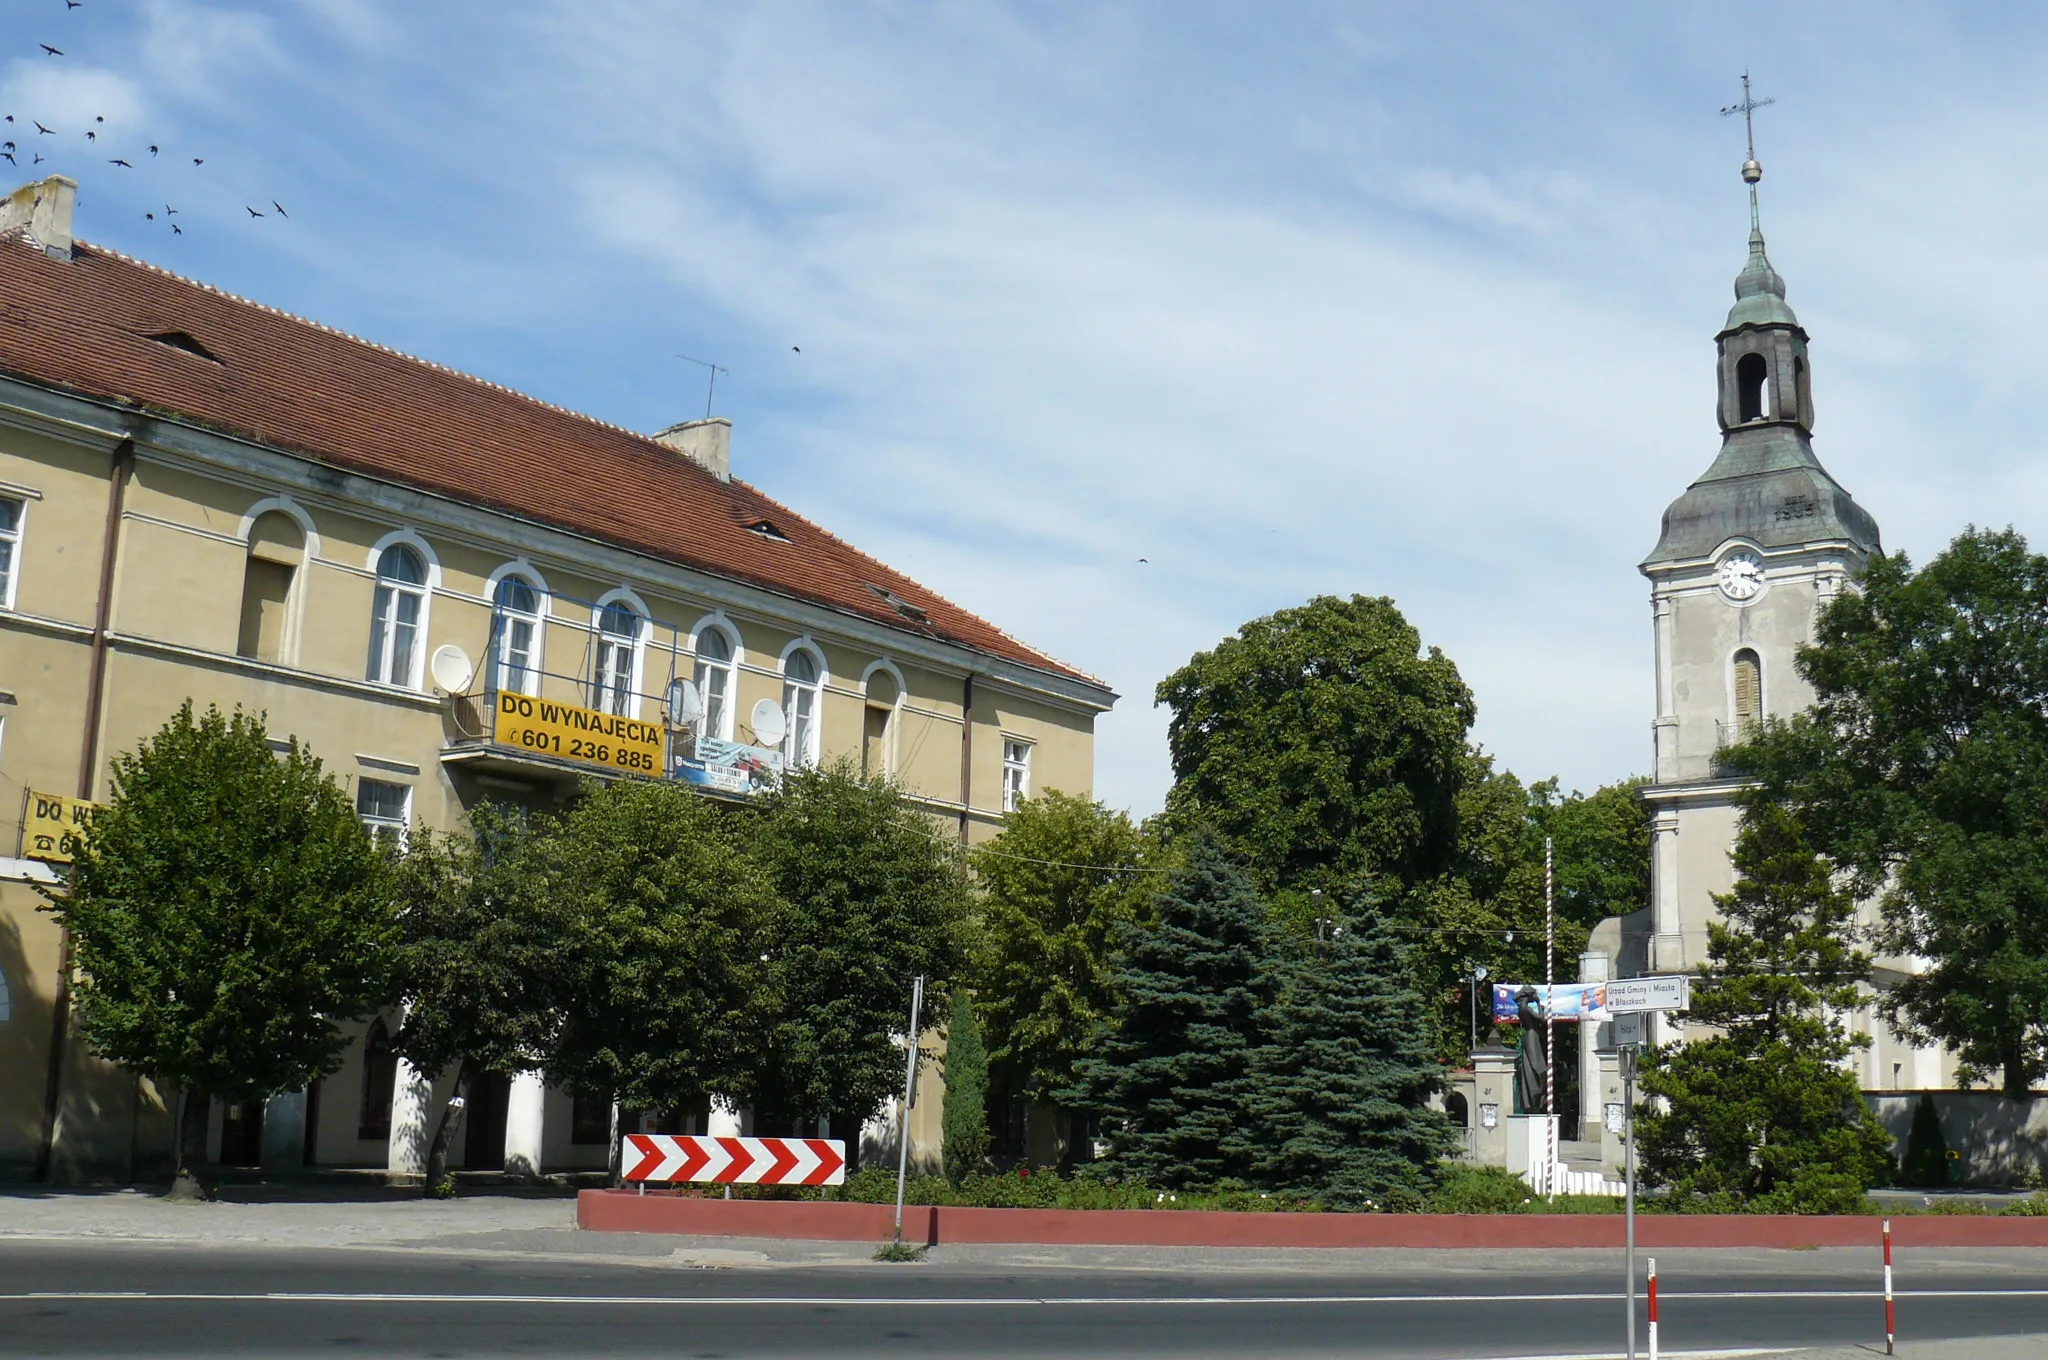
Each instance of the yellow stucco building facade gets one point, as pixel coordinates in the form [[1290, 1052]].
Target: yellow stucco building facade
[[202, 498]]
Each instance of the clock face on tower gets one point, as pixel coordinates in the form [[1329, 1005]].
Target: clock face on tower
[[1741, 574]]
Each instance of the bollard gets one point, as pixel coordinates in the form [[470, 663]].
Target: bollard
[[1888, 1331], [1653, 1308]]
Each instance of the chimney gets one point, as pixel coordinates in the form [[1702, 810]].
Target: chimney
[[44, 210], [707, 443]]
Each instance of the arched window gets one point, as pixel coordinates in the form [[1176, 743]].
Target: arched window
[[715, 682], [1750, 374], [517, 623], [618, 655], [1749, 693], [800, 708], [395, 616], [882, 694], [277, 549], [380, 1074]]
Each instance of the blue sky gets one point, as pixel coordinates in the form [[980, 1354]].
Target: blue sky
[[1414, 300]]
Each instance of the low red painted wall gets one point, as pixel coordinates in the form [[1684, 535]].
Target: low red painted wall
[[627, 1211]]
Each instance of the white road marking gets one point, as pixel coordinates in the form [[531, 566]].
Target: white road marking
[[821, 1301]]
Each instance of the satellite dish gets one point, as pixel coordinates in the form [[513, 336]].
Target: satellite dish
[[451, 668], [769, 728], [685, 704]]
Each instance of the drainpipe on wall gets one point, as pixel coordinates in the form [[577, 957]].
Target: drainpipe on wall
[[88, 769], [966, 756]]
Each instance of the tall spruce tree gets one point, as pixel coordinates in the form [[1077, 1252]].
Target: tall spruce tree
[[964, 1122], [1167, 1073], [1763, 1115], [1333, 1099]]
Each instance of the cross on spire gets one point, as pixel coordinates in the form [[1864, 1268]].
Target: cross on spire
[[1752, 171]]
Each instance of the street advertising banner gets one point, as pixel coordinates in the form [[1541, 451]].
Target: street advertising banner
[[580, 734], [730, 766], [45, 818], [1572, 1001]]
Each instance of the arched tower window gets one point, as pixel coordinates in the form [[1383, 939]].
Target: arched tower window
[[1749, 693], [517, 656], [800, 686], [1751, 373], [715, 683], [277, 549], [395, 616], [619, 630]]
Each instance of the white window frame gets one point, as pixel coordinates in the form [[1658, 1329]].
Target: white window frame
[[605, 679], [800, 740], [718, 725], [376, 824], [504, 619], [1016, 771], [10, 574], [380, 669]]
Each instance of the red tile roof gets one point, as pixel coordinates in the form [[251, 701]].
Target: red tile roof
[[83, 325]]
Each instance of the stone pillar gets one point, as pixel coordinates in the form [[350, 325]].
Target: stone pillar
[[1530, 1140], [726, 1119], [1493, 1099], [525, 1124], [1594, 966], [411, 1093], [1667, 944], [284, 1133]]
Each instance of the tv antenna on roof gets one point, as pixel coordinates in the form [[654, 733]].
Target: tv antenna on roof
[[712, 386]]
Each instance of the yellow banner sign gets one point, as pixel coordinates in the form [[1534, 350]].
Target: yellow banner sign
[[580, 734], [45, 820]]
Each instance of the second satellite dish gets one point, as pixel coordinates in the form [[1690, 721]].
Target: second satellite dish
[[769, 727], [451, 669], [685, 704]]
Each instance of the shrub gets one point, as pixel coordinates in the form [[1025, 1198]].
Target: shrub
[[2033, 1206], [1483, 1190]]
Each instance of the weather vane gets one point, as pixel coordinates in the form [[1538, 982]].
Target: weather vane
[[1751, 170], [712, 386]]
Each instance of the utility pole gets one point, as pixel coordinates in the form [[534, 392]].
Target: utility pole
[[1549, 1014]]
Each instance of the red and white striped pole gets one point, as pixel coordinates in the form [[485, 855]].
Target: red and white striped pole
[[1653, 1308], [1888, 1332]]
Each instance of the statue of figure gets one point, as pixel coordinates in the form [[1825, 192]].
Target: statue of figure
[[1533, 1067]]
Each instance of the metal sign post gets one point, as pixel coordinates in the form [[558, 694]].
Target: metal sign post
[[1632, 1000], [909, 1085], [1628, 1126]]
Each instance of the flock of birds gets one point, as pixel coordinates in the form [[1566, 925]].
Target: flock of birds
[[31, 131]]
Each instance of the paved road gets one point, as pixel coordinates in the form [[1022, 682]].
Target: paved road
[[124, 1298]]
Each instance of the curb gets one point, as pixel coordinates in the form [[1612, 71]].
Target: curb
[[825, 1221]]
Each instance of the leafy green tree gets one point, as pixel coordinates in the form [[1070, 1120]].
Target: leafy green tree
[[1323, 745], [481, 960], [1763, 1114], [866, 898], [1057, 888], [228, 915], [1167, 1075], [665, 997], [1921, 771], [1333, 1098], [964, 1125]]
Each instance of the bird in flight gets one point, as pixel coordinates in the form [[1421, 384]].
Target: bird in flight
[[152, 151], [280, 208], [118, 161], [7, 145], [796, 349], [149, 216], [51, 50], [199, 160], [73, 4], [251, 211], [99, 118], [38, 160], [10, 157], [177, 230], [47, 132], [169, 211], [91, 136]]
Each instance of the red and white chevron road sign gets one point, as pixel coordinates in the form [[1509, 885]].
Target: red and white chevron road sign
[[733, 1161]]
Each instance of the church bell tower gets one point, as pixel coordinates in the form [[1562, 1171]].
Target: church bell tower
[[1748, 555]]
